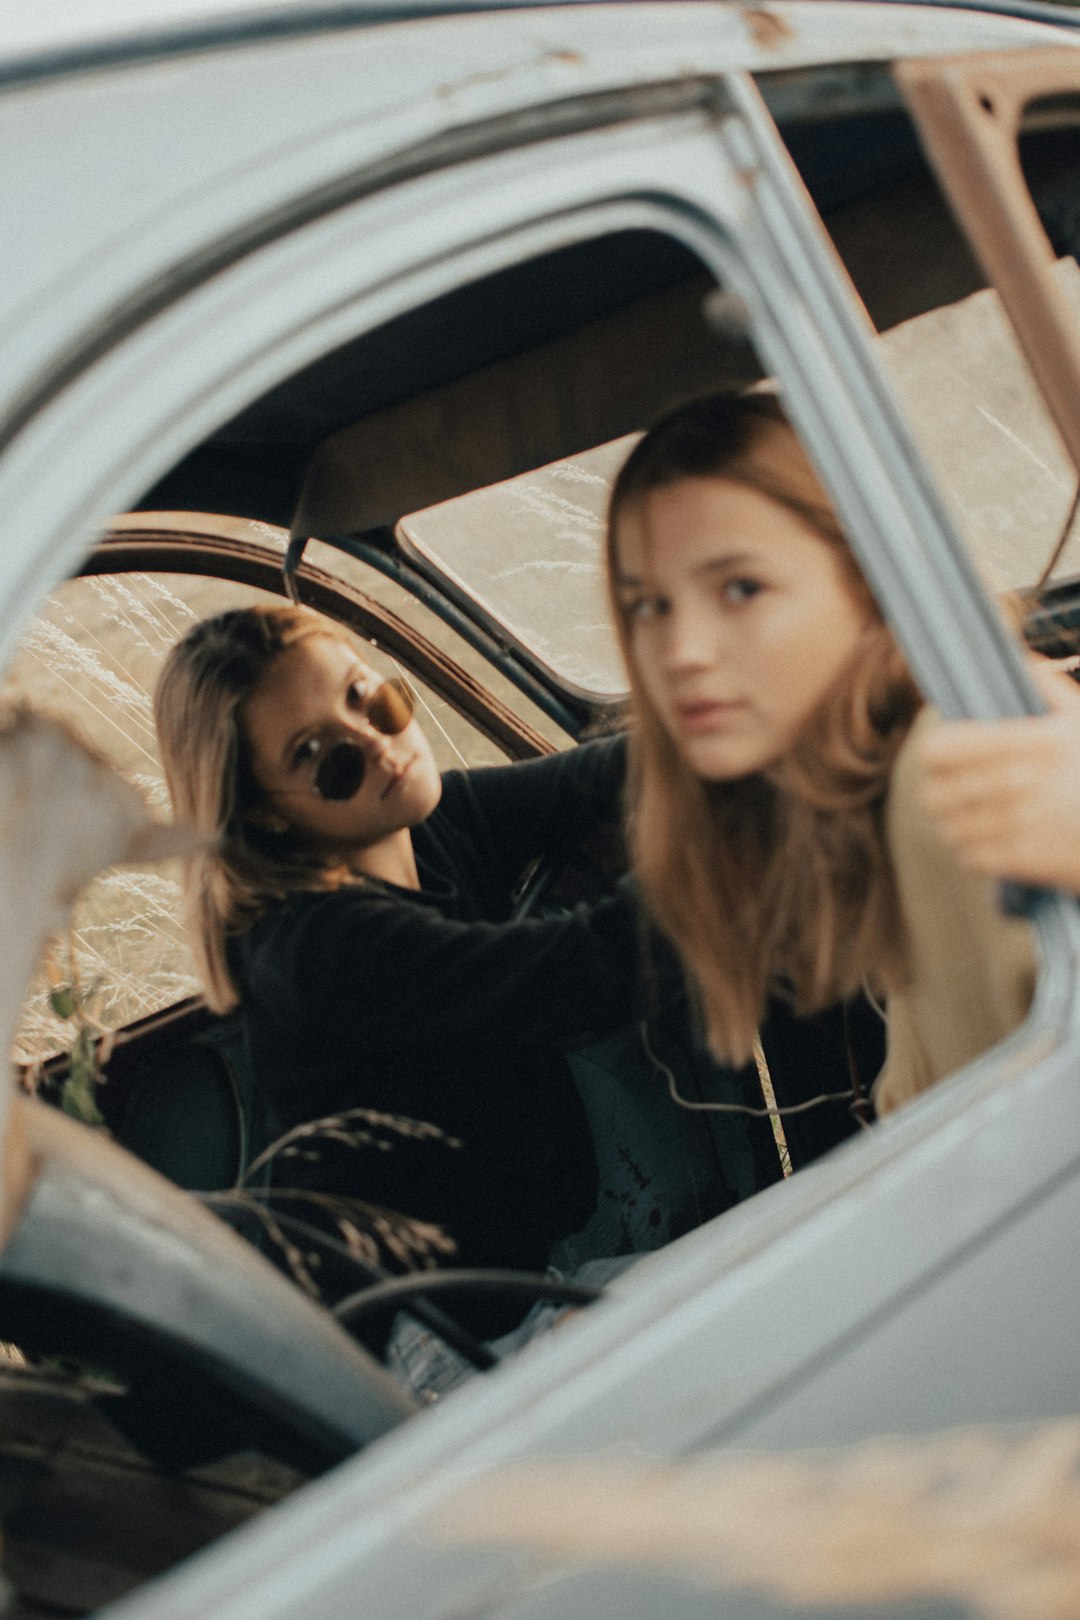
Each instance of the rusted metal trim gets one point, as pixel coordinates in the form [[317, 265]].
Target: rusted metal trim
[[153, 546], [968, 112]]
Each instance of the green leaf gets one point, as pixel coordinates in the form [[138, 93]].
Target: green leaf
[[77, 1099], [78, 1093], [62, 1001]]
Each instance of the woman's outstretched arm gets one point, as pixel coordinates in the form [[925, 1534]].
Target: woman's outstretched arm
[[969, 969], [1006, 794]]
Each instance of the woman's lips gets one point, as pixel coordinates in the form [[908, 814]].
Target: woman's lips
[[697, 718], [396, 778]]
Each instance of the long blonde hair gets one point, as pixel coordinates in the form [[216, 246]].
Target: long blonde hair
[[243, 867], [777, 883]]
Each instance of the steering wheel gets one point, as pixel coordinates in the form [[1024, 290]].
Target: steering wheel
[[217, 1350]]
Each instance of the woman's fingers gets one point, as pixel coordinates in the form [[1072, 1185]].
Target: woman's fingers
[[1054, 678], [975, 763], [1006, 794], [991, 840], [960, 747]]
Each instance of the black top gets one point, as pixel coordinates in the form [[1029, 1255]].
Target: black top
[[436, 1005]]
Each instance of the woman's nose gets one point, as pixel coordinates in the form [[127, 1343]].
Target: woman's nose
[[367, 737], [689, 639]]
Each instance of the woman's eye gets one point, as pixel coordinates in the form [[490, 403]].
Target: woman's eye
[[740, 590], [356, 695], [644, 609]]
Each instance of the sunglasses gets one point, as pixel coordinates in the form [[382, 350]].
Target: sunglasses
[[341, 769]]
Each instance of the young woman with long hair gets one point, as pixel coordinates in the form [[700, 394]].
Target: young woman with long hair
[[776, 830], [359, 905]]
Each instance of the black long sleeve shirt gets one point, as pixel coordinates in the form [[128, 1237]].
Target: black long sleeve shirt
[[434, 1004]]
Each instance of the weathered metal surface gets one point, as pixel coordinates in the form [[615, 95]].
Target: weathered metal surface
[[986, 433], [65, 38], [969, 111]]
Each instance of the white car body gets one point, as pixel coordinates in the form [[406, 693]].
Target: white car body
[[197, 203]]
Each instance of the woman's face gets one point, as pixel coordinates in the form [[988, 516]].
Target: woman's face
[[739, 616], [312, 696]]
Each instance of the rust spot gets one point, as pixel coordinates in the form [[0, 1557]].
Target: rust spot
[[494, 75], [471, 80], [767, 28]]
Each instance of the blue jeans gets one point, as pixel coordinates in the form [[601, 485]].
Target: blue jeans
[[428, 1366]]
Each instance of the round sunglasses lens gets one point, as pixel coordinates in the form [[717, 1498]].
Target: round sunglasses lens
[[391, 707], [340, 772]]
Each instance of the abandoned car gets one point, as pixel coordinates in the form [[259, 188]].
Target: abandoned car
[[364, 306]]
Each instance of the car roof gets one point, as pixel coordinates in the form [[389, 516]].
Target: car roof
[[64, 36], [38, 40], [28, 27]]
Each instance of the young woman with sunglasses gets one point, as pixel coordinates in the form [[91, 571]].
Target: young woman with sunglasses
[[359, 906], [777, 828]]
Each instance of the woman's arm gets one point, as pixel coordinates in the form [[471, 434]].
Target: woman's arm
[[382, 972], [970, 970], [1006, 794], [540, 806]]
